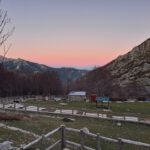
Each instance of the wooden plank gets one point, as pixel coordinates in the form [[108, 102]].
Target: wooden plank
[[102, 137], [14, 106], [135, 143], [120, 144], [25, 107], [42, 147], [73, 143], [82, 139], [32, 143], [3, 105], [54, 145], [63, 141], [52, 132], [108, 139], [78, 145], [91, 134], [88, 148], [37, 108], [98, 142], [73, 130]]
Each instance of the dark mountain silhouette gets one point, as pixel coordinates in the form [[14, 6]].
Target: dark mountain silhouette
[[27, 67]]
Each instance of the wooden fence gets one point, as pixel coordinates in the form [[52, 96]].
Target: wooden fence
[[62, 142], [81, 113]]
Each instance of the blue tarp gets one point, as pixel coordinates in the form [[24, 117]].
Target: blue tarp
[[102, 99]]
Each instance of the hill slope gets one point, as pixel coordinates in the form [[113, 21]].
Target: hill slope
[[26, 67], [126, 76]]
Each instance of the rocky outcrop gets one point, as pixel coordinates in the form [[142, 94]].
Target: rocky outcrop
[[133, 69], [127, 76]]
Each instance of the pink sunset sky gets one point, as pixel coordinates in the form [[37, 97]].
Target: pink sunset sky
[[76, 33]]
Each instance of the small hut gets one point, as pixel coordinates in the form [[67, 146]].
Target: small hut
[[77, 96]]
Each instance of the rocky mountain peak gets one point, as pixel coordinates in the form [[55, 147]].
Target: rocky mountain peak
[[128, 75], [145, 46], [142, 51], [133, 68]]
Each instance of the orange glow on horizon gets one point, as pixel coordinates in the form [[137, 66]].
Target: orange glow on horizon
[[65, 55], [69, 59]]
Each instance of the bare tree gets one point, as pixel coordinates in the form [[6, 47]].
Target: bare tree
[[5, 31]]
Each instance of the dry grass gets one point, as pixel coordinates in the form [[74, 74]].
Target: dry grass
[[13, 116]]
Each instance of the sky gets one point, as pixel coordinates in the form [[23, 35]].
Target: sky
[[76, 33]]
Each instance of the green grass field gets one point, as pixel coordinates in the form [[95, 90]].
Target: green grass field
[[136, 108], [41, 125], [14, 136]]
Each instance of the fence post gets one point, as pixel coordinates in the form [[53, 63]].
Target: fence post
[[42, 143], [84, 110], [72, 111], [63, 142], [37, 108], [97, 114], [60, 110], [124, 117], [21, 148], [120, 144], [3, 105], [14, 106], [25, 108], [82, 139], [98, 142]]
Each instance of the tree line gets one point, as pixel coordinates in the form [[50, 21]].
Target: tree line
[[100, 82], [17, 84]]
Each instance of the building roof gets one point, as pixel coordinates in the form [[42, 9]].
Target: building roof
[[77, 93]]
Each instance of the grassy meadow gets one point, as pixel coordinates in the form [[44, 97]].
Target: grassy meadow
[[133, 108], [43, 124]]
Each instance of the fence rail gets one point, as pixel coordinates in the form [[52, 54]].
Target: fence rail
[[63, 142], [81, 113], [41, 138]]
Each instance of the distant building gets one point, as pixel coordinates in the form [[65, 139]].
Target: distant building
[[77, 96]]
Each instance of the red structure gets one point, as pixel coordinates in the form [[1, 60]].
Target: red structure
[[93, 98]]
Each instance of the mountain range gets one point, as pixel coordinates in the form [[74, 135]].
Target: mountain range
[[26, 67], [126, 76]]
